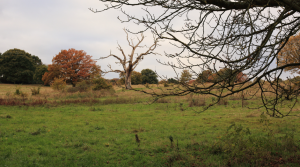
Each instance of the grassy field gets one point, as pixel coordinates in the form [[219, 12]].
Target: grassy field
[[124, 129]]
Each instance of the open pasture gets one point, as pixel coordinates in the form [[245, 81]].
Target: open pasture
[[123, 128]]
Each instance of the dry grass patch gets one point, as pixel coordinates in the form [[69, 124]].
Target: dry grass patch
[[223, 101], [197, 102]]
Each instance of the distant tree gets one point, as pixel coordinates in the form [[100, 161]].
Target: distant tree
[[212, 78], [37, 60], [73, 65], [225, 75], [39, 72], [244, 35], [241, 77], [295, 80], [18, 66], [279, 80], [54, 71], [290, 53], [122, 78], [203, 77], [95, 72], [185, 77], [130, 65], [172, 80], [149, 76], [101, 83], [136, 78], [0, 71], [163, 81]]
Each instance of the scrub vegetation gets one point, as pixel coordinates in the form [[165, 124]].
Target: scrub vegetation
[[119, 127]]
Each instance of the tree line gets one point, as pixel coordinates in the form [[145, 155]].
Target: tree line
[[20, 67], [247, 36]]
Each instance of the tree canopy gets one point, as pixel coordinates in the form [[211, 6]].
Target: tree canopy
[[241, 35], [136, 78], [203, 77], [39, 72], [172, 80], [18, 66], [149, 76], [290, 54], [72, 65], [185, 76]]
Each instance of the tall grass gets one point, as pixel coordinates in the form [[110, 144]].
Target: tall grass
[[102, 128]]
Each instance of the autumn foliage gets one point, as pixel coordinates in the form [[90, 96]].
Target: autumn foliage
[[290, 53], [71, 65]]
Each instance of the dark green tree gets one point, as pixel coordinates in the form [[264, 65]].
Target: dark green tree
[[136, 78], [203, 77], [39, 72], [18, 66], [149, 76], [172, 80], [37, 60]]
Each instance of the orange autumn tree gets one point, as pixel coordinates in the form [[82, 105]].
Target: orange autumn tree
[[290, 53], [53, 72], [73, 65]]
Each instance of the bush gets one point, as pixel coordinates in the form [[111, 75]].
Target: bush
[[197, 102], [58, 84], [147, 85], [166, 84], [18, 91], [83, 86], [100, 83], [80, 87], [35, 91], [72, 90], [223, 101], [162, 100]]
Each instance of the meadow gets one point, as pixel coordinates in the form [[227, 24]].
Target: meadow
[[124, 128]]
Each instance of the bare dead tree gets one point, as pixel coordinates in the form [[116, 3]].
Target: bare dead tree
[[128, 63], [241, 35]]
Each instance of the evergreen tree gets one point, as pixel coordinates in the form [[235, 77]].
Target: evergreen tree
[[18, 66], [39, 72], [149, 76]]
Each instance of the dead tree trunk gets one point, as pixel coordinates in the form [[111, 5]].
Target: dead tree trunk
[[128, 79], [127, 62]]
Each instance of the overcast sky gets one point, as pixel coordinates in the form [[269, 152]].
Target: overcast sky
[[44, 28]]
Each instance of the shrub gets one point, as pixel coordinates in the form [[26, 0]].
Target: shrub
[[18, 91], [35, 91], [83, 86], [197, 102], [58, 84], [80, 87], [147, 85], [100, 83], [223, 101], [166, 84], [23, 95], [162, 100], [72, 90]]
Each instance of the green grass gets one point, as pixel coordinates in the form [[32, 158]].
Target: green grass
[[104, 135]]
